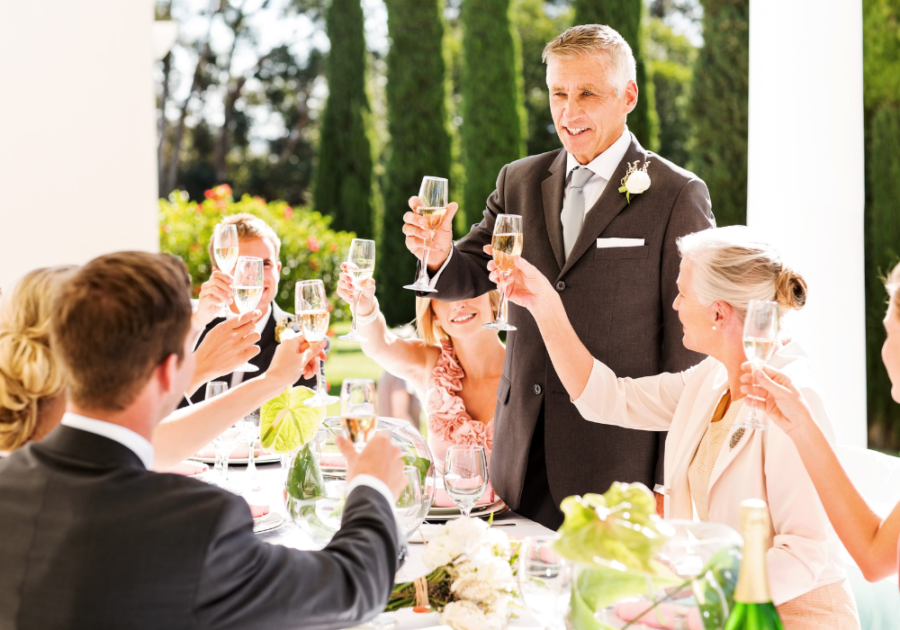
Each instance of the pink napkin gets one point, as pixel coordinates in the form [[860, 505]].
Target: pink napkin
[[442, 499], [333, 460], [189, 469], [629, 611], [259, 504]]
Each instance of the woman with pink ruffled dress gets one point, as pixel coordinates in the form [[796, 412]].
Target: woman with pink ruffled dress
[[455, 364]]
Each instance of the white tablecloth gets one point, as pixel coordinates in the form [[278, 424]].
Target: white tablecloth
[[289, 535]]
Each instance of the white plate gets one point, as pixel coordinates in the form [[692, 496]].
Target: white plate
[[272, 520], [241, 461]]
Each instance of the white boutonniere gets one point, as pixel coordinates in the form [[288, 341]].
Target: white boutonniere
[[635, 181]]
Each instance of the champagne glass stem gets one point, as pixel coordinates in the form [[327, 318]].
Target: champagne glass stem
[[225, 467], [753, 370], [218, 465], [320, 379], [501, 309], [251, 465], [423, 275], [353, 314]]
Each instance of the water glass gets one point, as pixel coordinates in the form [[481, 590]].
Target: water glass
[[545, 582], [465, 476]]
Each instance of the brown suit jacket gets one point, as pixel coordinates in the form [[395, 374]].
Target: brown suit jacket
[[618, 299]]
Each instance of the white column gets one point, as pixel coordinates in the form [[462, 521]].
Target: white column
[[806, 181], [77, 132]]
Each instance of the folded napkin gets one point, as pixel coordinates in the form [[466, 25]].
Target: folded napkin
[[333, 460], [189, 469], [663, 617], [241, 451], [442, 499], [258, 502]]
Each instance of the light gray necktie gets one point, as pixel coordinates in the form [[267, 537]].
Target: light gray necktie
[[573, 208]]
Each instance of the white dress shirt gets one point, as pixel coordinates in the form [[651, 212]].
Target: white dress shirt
[[603, 166], [137, 444]]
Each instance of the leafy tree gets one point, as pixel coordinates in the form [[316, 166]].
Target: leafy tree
[[719, 107], [625, 17], [343, 180], [671, 59], [536, 28], [419, 137], [883, 253], [493, 113]]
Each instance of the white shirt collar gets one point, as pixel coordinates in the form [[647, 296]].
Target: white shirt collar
[[126, 437], [606, 163]]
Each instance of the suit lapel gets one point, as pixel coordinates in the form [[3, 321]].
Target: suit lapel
[[552, 193], [727, 455], [611, 203]]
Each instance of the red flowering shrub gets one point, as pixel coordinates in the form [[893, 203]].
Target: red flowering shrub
[[309, 248]]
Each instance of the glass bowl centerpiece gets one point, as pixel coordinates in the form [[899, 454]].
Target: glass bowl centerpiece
[[315, 478], [632, 566]]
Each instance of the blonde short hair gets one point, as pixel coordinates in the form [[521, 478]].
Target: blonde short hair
[[892, 283], [732, 265], [426, 324], [249, 227], [30, 374], [601, 40]]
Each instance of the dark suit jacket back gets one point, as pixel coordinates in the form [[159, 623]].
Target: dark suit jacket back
[[619, 301], [90, 539]]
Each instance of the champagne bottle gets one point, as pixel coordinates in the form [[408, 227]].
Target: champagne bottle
[[753, 608]]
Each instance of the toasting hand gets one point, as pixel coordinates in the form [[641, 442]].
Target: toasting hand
[[419, 229]]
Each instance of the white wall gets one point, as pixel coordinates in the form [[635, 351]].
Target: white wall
[[806, 180], [77, 132]]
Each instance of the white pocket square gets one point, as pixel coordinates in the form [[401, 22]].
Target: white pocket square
[[603, 243]]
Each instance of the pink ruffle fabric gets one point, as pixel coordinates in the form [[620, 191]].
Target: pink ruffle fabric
[[448, 422]]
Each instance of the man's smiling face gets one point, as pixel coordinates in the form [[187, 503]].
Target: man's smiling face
[[587, 113]]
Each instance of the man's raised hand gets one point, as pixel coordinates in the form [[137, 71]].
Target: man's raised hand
[[296, 357], [416, 230], [227, 346], [214, 294]]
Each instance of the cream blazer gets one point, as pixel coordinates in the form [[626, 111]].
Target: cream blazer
[[763, 464]]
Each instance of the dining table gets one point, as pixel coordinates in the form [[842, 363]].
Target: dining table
[[269, 484]]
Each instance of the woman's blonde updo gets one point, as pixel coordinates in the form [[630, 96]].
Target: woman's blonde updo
[[426, 325], [30, 376], [732, 265]]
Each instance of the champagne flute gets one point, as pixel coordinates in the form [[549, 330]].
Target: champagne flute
[[225, 250], [311, 306], [251, 434], [507, 242], [465, 476], [545, 582], [760, 339], [361, 263], [248, 289], [433, 197], [359, 415]]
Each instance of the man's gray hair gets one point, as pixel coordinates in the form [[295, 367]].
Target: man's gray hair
[[597, 39]]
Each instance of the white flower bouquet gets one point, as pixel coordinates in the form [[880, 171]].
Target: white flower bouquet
[[471, 580]]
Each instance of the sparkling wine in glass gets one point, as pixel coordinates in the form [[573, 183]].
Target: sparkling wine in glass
[[248, 289], [311, 306], [433, 197], [760, 341], [361, 263], [507, 242], [465, 476], [545, 582], [359, 411], [225, 251]]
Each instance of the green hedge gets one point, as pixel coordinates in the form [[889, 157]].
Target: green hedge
[[719, 107], [883, 253], [420, 139], [309, 247]]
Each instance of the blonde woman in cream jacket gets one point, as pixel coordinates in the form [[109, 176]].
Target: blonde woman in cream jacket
[[710, 465]]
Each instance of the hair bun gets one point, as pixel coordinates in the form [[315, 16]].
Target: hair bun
[[790, 289]]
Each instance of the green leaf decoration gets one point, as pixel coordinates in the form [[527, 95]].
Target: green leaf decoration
[[419, 462], [286, 423]]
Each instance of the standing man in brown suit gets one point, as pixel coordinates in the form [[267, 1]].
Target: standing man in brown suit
[[613, 260]]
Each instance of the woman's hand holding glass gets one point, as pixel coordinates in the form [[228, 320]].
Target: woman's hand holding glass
[[347, 290], [215, 294], [777, 396], [525, 284]]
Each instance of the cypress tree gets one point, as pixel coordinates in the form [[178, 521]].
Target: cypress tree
[[625, 17], [883, 253], [719, 107], [493, 111], [420, 140], [343, 183]]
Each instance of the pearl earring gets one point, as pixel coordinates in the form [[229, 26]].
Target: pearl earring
[[714, 328]]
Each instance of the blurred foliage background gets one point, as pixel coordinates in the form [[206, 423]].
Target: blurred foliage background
[[337, 108]]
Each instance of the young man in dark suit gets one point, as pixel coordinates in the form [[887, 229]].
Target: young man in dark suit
[[91, 538], [255, 238]]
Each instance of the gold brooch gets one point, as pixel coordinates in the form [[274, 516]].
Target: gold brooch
[[736, 437]]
